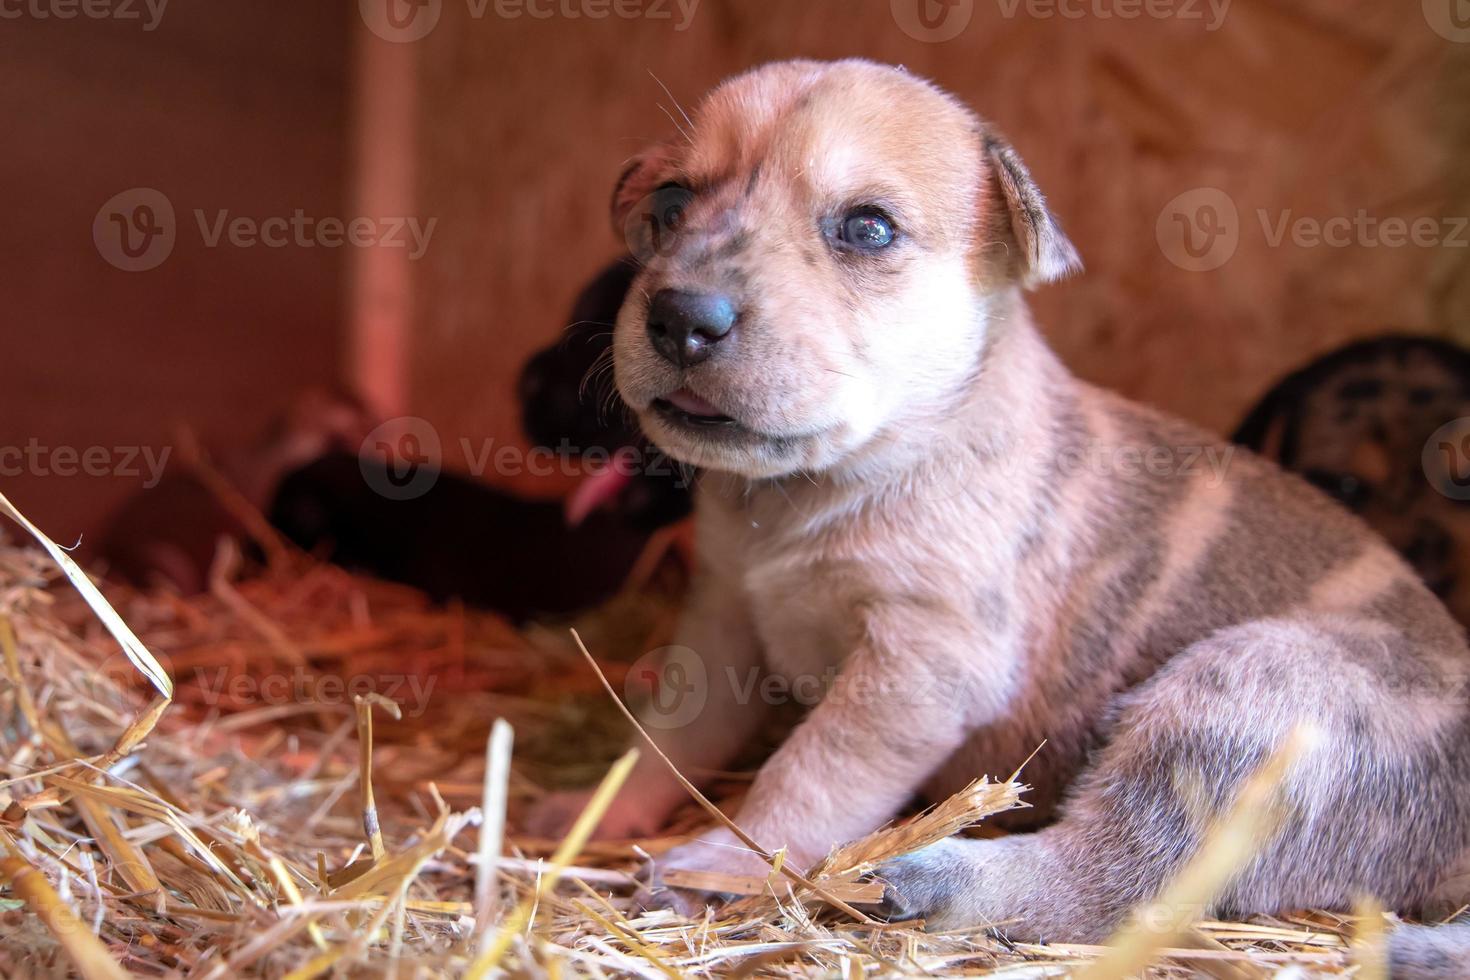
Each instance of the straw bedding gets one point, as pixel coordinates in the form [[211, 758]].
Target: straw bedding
[[318, 798]]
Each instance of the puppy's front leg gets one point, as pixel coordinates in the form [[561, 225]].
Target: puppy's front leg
[[696, 717], [903, 702]]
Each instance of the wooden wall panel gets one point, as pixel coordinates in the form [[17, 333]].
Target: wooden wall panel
[[228, 105], [1317, 108]]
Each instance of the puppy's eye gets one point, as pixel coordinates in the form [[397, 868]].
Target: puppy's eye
[[669, 202], [866, 229]]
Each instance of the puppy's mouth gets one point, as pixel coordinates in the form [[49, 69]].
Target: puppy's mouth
[[684, 407], [695, 430]]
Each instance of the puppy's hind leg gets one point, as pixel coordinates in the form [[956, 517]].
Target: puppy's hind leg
[[1368, 812], [1430, 952]]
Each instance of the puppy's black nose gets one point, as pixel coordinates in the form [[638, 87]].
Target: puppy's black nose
[[685, 327]]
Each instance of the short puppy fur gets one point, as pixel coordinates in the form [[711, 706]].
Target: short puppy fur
[[906, 491]]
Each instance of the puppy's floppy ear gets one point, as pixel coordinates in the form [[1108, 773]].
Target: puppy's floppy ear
[[635, 184], [1038, 251]]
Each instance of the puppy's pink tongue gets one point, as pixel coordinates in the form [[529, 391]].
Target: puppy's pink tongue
[[600, 487], [687, 401]]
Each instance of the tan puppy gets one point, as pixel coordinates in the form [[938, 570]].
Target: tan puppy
[[909, 498]]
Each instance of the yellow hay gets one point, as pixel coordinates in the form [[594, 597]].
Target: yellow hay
[[235, 830]]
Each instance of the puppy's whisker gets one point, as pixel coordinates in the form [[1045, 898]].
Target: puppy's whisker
[[676, 106], [568, 338], [608, 405], [687, 138], [599, 368], [598, 384]]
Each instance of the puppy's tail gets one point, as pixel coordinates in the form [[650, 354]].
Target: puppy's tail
[[1430, 952]]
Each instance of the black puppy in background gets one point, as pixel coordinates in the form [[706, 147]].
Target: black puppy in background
[[460, 538], [568, 399], [490, 548], [1366, 424]]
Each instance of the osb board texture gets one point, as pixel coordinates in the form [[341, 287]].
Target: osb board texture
[[1316, 108], [220, 108]]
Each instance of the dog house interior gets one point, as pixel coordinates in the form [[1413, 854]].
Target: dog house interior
[[310, 369]]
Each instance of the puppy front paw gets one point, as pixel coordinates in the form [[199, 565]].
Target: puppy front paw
[[930, 884], [718, 851]]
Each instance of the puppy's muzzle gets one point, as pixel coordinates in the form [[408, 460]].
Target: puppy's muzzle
[[686, 327]]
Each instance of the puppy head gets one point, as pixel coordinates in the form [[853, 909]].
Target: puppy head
[[821, 248]]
